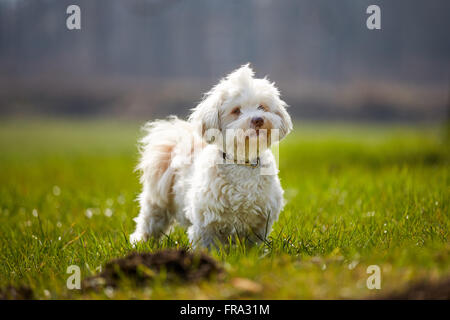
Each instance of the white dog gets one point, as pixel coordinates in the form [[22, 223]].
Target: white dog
[[186, 179]]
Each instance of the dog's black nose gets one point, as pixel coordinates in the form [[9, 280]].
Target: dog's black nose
[[257, 121]]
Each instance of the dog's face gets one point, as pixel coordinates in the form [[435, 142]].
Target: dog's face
[[250, 107]]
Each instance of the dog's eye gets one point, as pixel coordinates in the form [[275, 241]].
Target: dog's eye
[[236, 111], [262, 107]]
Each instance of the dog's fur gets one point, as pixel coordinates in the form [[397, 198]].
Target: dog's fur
[[183, 178]]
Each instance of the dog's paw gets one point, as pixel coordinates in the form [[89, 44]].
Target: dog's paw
[[137, 237]]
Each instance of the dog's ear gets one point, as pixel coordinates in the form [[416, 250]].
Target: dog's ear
[[286, 122], [207, 111]]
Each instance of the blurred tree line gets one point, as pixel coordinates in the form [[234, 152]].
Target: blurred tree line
[[151, 57]]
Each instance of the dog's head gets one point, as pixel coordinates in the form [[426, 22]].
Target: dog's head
[[243, 103]]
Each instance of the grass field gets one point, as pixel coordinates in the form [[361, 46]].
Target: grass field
[[357, 195]]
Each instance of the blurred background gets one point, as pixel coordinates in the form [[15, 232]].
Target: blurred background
[[151, 58]]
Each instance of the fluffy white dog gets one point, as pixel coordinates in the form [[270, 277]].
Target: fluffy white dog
[[193, 175]]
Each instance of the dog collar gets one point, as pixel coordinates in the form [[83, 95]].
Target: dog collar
[[246, 163]]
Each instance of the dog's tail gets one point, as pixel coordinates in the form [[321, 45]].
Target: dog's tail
[[158, 148]]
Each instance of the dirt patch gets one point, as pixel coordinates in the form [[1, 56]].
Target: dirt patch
[[142, 267], [424, 290], [16, 293]]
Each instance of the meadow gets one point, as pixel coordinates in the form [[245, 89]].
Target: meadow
[[357, 195]]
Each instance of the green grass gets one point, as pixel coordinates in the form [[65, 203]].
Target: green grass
[[358, 195]]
